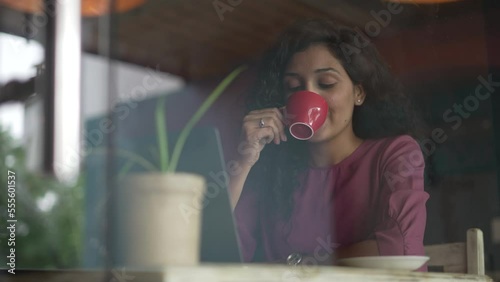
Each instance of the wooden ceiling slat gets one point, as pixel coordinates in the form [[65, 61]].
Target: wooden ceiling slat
[[186, 37], [176, 37], [234, 30], [267, 24], [294, 8], [261, 20], [193, 63], [198, 33]]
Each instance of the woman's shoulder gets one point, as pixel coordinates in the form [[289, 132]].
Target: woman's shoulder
[[395, 147], [395, 142]]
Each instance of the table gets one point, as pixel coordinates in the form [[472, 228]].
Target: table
[[235, 273]]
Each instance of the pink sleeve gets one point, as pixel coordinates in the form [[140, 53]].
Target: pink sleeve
[[246, 215], [402, 225]]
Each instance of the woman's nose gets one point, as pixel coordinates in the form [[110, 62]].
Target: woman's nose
[[310, 87], [314, 89]]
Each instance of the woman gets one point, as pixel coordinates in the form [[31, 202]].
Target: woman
[[356, 187]]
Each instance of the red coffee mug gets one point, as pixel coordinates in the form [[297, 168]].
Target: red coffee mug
[[305, 113]]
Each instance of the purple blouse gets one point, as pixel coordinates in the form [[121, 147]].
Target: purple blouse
[[375, 193]]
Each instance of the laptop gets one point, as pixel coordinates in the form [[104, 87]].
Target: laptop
[[203, 155]]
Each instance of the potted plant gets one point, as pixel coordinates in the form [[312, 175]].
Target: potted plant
[[156, 232]]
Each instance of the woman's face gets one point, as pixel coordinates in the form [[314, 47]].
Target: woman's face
[[317, 70]]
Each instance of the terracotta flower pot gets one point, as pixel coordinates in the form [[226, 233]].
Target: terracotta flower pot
[[160, 219]]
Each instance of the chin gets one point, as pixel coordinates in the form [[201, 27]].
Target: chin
[[326, 133], [321, 137]]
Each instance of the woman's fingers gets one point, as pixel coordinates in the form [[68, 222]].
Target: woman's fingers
[[269, 112], [269, 117], [260, 127], [280, 122], [279, 114], [277, 127], [257, 134], [266, 135]]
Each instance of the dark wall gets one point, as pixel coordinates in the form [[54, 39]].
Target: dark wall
[[492, 27], [442, 63]]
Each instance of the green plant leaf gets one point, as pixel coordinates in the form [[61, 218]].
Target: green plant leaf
[[124, 170], [136, 158], [198, 114], [161, 134], [133, 157]]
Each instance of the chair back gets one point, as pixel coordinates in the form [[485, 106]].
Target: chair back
[[464, 257]]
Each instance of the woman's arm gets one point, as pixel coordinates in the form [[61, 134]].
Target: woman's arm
[[361, 249], [260, 127], [236, 183], [403, 216]]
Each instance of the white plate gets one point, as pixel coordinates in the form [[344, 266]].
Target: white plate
[[386, 262]]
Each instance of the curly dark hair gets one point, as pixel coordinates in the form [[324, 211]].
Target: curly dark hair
[[386, 111]]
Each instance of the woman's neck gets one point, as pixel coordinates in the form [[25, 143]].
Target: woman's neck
[[334, 150]]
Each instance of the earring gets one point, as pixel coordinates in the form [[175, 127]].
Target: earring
[[359, 101]]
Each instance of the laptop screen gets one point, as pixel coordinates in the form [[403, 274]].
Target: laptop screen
[[203, 155]]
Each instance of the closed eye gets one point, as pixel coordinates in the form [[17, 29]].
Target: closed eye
[[293, 89], [326, 86]]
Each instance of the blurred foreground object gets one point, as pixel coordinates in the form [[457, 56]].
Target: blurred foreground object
[[89, 8]]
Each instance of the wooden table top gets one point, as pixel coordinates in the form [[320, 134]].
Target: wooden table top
[[234, 273]]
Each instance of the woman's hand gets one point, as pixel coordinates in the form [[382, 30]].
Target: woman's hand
[[260, 127]]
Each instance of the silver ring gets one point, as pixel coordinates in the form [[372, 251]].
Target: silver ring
[[261, 123]]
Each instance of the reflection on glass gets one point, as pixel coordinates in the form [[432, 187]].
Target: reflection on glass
[[443, 54]]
